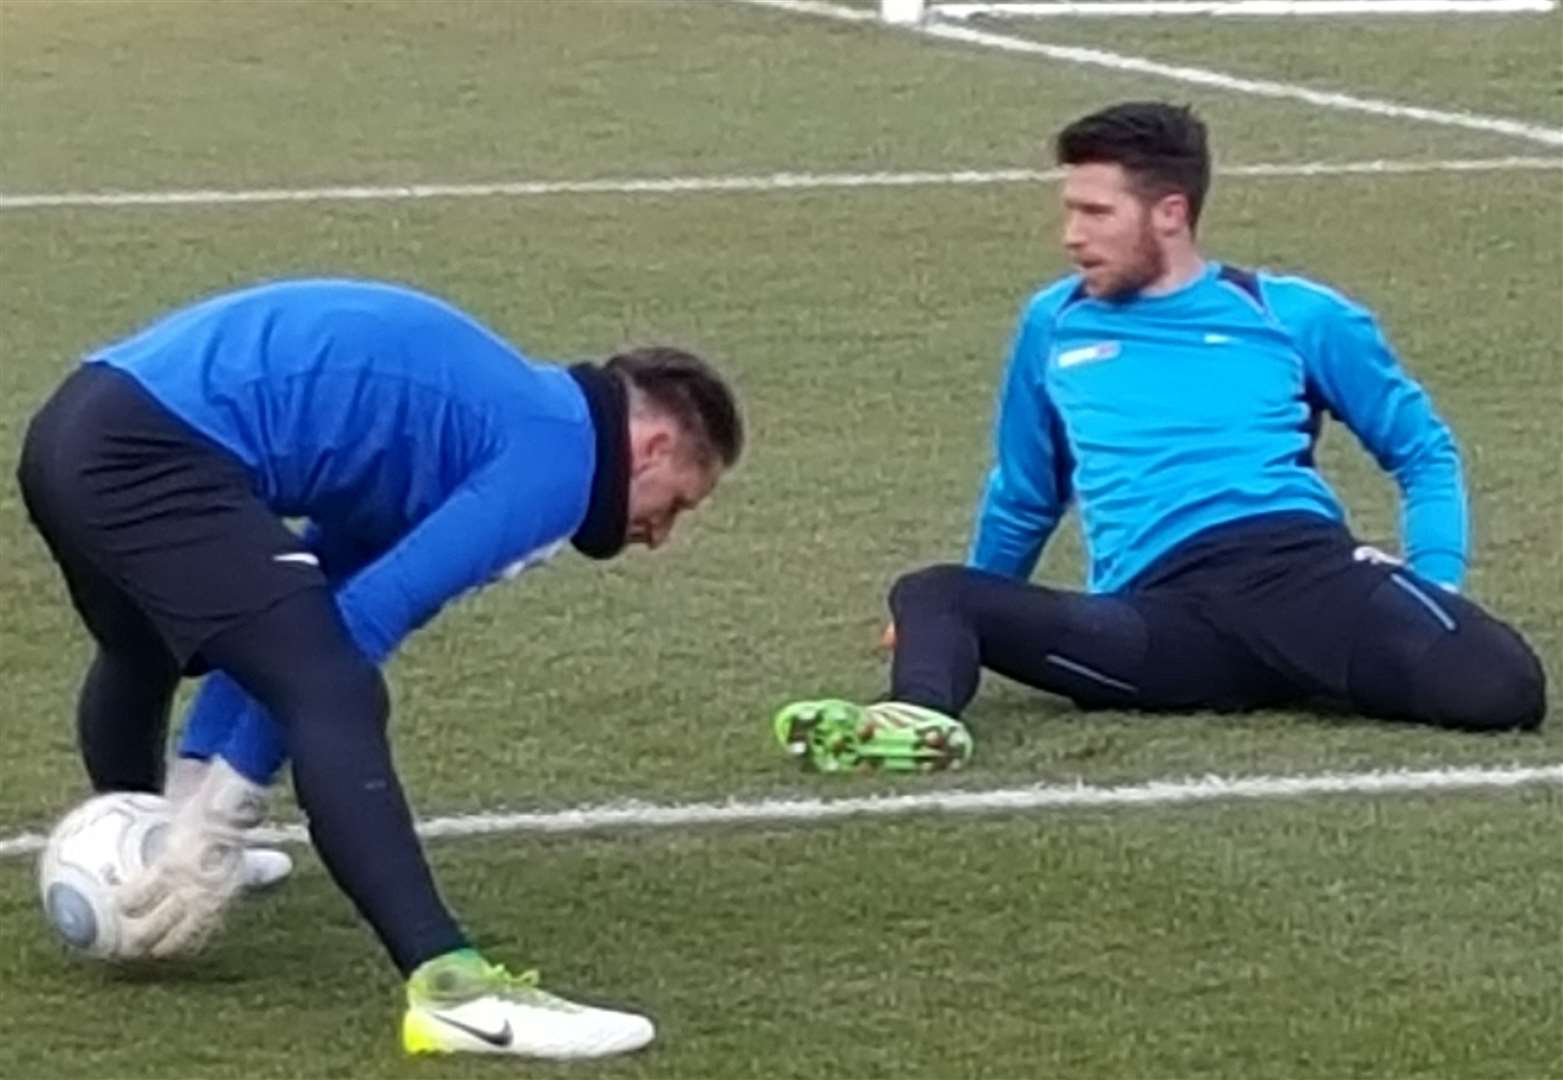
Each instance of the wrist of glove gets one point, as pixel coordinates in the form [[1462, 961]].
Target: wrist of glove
[[175, 905]]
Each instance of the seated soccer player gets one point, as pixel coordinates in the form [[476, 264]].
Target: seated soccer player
[[1176, 401], [429, 457]]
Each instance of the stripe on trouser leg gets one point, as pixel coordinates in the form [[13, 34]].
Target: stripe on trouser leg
[[1090, 673], [1443, 617]]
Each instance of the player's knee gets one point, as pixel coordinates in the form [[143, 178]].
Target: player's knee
[[1516, 696], [933, 588], [360, 690], [344, 691], [1493, 682]]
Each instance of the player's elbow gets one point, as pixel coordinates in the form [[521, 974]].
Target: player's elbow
[[1432, 461], [1013, 524]]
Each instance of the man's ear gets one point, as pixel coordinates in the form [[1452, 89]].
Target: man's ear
[[659, 444], [649, 443], [1170, 213]]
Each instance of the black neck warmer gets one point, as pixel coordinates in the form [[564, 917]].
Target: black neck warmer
[[603, 531]]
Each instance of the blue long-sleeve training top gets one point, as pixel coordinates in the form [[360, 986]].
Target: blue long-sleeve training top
[[1165, 415], [426, 452]]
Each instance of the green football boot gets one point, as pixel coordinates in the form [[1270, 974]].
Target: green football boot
[[832, 735]]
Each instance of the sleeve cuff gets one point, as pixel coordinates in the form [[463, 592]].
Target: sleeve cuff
[[1441, 568]]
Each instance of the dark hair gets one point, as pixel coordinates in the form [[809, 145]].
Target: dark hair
[[685, 387], [1162, 147]]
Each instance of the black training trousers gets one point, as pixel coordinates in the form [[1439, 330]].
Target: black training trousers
[[1275, 609]]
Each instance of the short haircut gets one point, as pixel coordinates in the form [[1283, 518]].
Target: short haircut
[[684, 387], [1163, 148]]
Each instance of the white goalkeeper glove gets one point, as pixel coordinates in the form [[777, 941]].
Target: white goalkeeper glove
[[176, 904], [264, 867]]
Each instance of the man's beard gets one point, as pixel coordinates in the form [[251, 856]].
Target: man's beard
[[1149, 263]]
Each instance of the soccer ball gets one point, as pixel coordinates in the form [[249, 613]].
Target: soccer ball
[[95, 847]]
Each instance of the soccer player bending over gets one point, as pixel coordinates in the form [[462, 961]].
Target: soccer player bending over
[[429, 457], [1177, 401]]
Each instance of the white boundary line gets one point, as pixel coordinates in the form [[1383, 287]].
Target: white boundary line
[[1036, 9], [685, 185], [1177, 73], [639, 815]]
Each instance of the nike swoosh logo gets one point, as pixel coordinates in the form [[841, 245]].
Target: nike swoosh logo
[[500, 1038], [304, 558], [1088, 354]]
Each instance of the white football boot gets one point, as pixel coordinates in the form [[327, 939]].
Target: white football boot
[[264, 868], [459, 1003]]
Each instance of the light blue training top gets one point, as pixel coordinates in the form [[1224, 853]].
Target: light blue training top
[[1166, 415]]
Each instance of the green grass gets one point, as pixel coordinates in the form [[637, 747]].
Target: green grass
[[1326, 940], [241, 94], [1400, 937], [869, 394], [1510, 65]]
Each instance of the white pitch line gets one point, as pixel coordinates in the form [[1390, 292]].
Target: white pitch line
[[640, 815], [1235, 8], [1178, 73], [673, 185], [687, 185]]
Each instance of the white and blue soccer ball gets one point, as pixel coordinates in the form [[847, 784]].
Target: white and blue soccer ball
[[95, 847]]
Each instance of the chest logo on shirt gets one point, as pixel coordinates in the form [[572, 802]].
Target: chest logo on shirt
[[1088, 354]]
